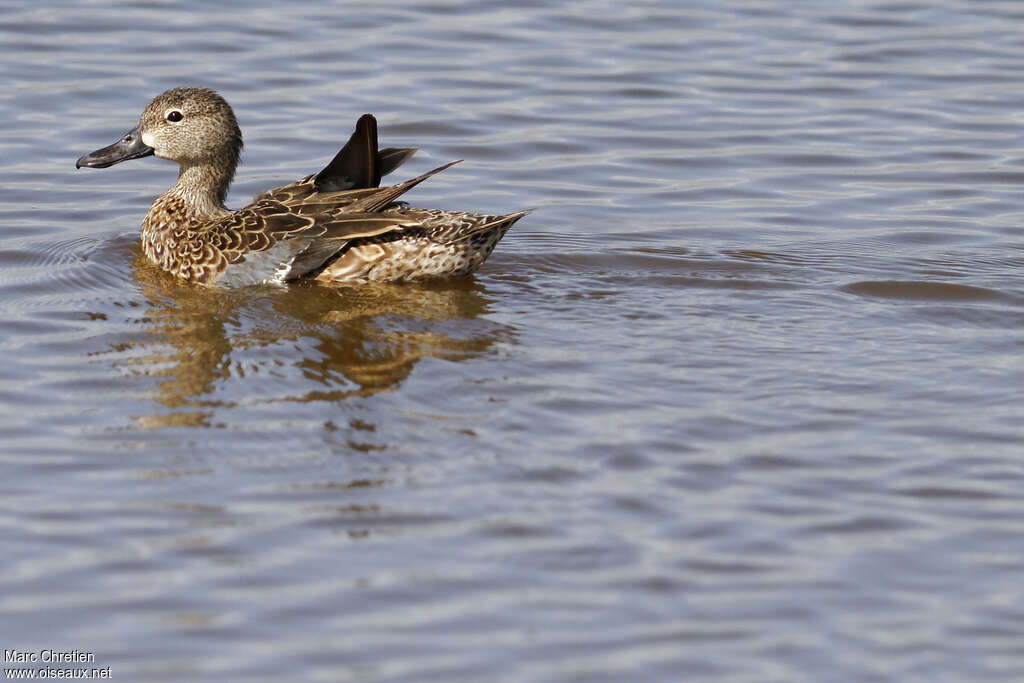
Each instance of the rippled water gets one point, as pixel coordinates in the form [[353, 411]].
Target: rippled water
[[741, 400]]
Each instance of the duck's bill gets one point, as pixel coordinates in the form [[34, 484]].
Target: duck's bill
[[130, 146]]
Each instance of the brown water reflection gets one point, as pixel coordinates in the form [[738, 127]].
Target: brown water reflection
[[365, 339]]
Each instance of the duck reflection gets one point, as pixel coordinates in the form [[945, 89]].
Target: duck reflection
[[351, 341]]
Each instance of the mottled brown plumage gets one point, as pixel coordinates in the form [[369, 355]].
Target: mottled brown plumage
[[333, 226]]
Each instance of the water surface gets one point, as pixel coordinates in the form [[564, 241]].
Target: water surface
[[741, 400]]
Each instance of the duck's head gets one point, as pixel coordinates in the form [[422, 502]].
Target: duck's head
[[192, 126]]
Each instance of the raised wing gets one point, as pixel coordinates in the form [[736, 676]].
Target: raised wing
[[358, 165], [316, 225], [355, 165]]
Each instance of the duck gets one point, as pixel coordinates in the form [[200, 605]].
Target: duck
[[335, 226]]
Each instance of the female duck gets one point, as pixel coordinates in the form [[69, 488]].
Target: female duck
[[333, 226]]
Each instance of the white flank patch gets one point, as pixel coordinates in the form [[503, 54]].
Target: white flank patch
[[281, 272], [269, 267]]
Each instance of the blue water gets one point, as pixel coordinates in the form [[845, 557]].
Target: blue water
[[740, 401]]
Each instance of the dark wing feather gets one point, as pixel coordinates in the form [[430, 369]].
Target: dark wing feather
[[313, 258], [355, 164], [390, 158], [358, 165]]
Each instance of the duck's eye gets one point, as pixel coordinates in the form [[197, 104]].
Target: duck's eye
[[174, 116]]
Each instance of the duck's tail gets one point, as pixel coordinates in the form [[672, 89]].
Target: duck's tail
[[497, 223]]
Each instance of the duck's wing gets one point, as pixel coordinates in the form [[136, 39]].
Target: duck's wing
[[263, 224], [364, 200], [390, 158], [355, 165], [445, 227], [302, 191], [278, 218], [385, 196], [267, 241], [317, 227], [358, 165]]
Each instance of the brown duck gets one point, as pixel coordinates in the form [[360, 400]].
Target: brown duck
[[337, 225]]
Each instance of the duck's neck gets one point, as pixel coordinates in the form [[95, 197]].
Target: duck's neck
[[204, 188], [197, 197]]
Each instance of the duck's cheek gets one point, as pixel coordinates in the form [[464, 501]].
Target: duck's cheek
[[159, 150]]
